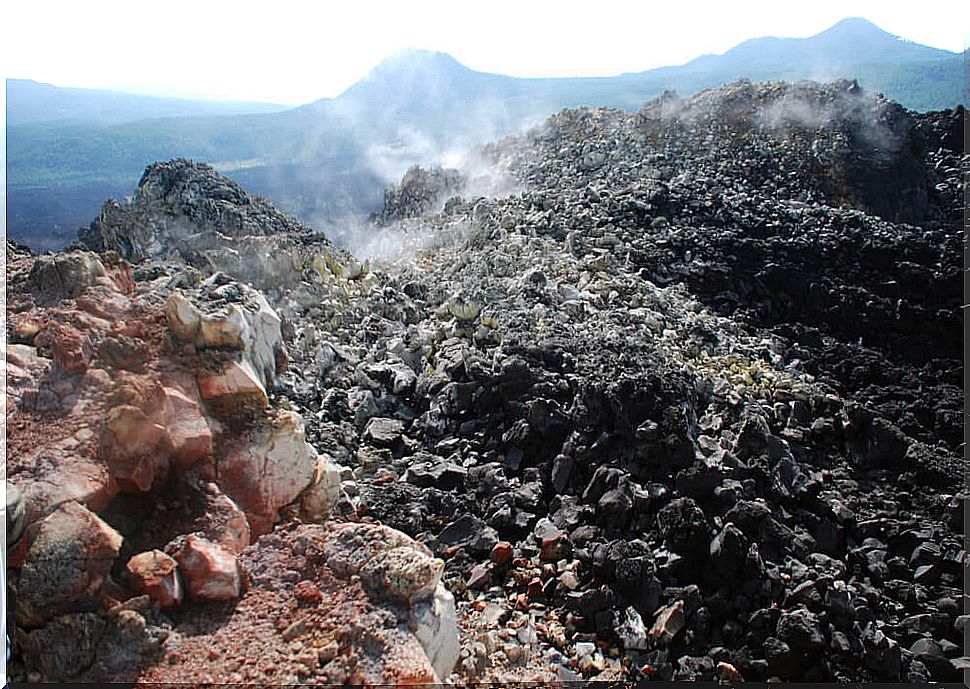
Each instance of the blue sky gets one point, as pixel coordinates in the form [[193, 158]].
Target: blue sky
[[295, 52]]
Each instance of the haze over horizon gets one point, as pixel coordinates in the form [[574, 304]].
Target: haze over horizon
[[291, 55]]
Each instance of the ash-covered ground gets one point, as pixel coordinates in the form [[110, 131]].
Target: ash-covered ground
[[688, 405]]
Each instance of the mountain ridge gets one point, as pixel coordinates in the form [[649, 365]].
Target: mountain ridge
[[31, 101]]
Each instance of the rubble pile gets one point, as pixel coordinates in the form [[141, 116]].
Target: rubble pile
[[687, 407]]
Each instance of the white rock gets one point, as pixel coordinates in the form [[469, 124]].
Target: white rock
[[435, 624]]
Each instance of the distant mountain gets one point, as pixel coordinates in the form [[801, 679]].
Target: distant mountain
[[916, 76], [32, 101], [851, 41], [330, 158]]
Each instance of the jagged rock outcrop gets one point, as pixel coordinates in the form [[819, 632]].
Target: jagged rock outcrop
[[187, 212], [421, 191], [177, 204]]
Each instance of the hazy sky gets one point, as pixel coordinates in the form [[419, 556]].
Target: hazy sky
[[295, 52]]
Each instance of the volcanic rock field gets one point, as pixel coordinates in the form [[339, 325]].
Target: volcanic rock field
[[686, 405]]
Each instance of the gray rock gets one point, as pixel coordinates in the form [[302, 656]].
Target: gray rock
[[801, 630], [728, 551], [383, 432]]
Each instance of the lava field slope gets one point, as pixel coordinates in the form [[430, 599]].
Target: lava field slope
[[701, 348], [688, 406]]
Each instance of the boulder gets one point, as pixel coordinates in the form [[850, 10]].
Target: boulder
[[71, 478], [210, 571], [136, 449], [64, 276], [71, 552], [266, 469], [156, 574], [187, 426], [222, 522], [228, 315], [235, 391], [396, 569]]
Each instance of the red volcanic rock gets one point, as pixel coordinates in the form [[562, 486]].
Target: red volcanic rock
[[66, 345], [236, 388], [210, 571], [222, 522], [266, 470], [118, 273], [70, 477], [307, 592], [135, 448], [343, 633], [103, 399], [156, 574], [188, 430], [501, 553], [104, 302]]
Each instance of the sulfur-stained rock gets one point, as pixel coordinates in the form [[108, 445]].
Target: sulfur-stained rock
[[142, 391], [210, 571], [403, 573], [266, 469], [156, 574], [395, 568], [184, 319], [350, 546], [137, 450], [323, 492], [224, 314], [464, 308], [66, 564], [24, 329]]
